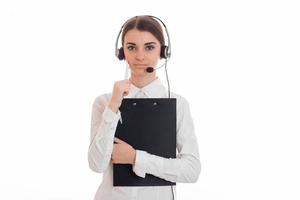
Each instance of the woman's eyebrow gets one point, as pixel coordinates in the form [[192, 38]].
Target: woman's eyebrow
[[130, 43], [149, 43]]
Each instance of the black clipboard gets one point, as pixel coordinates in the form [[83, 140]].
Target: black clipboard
[[149, 125]]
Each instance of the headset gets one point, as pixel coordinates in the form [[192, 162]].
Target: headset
[[165, 51]]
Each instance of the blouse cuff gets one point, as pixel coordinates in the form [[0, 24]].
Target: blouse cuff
[[140, 163]]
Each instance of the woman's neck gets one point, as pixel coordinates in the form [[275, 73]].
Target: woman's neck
[[142, 81]]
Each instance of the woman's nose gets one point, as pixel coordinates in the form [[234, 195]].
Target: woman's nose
[[140, 54]]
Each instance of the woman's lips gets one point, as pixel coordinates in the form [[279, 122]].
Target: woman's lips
[[141, 65]]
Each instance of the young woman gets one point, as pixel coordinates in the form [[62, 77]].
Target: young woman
[[143, 44]]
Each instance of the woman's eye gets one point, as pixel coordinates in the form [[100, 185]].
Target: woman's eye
[[130, 48], [149, 47]]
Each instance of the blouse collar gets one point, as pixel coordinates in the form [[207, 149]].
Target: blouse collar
[[154, 89]]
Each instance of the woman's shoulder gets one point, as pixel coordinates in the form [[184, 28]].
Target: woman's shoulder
[[102, 99], [179, 97], [180, 100]]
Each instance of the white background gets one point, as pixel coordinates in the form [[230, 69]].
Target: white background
[[237, 62]]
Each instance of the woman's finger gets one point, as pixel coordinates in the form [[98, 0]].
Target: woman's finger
[[119, 141]]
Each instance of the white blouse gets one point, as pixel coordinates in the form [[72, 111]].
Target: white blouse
[[184, 168]]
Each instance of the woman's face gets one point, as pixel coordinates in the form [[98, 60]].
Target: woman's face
[[141, 50]]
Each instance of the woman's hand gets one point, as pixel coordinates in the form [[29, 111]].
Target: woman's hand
[[123, 153], [121, 89]]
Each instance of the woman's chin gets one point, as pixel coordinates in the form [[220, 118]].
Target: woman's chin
[[140, 72]]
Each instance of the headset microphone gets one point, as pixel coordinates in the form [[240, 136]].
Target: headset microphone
[[151, 69]]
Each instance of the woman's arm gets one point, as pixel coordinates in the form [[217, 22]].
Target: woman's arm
[[105, 117], [186, 166], [103, 126]]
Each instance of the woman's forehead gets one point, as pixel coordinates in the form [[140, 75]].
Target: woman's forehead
[[137, 36]]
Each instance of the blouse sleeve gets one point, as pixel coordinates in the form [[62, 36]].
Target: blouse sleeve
[[103, 126]]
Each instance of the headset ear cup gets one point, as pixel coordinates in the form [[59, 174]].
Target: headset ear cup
[[121, 55], [164, 51]]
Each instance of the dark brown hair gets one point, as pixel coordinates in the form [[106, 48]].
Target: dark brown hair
[[144, 23]]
